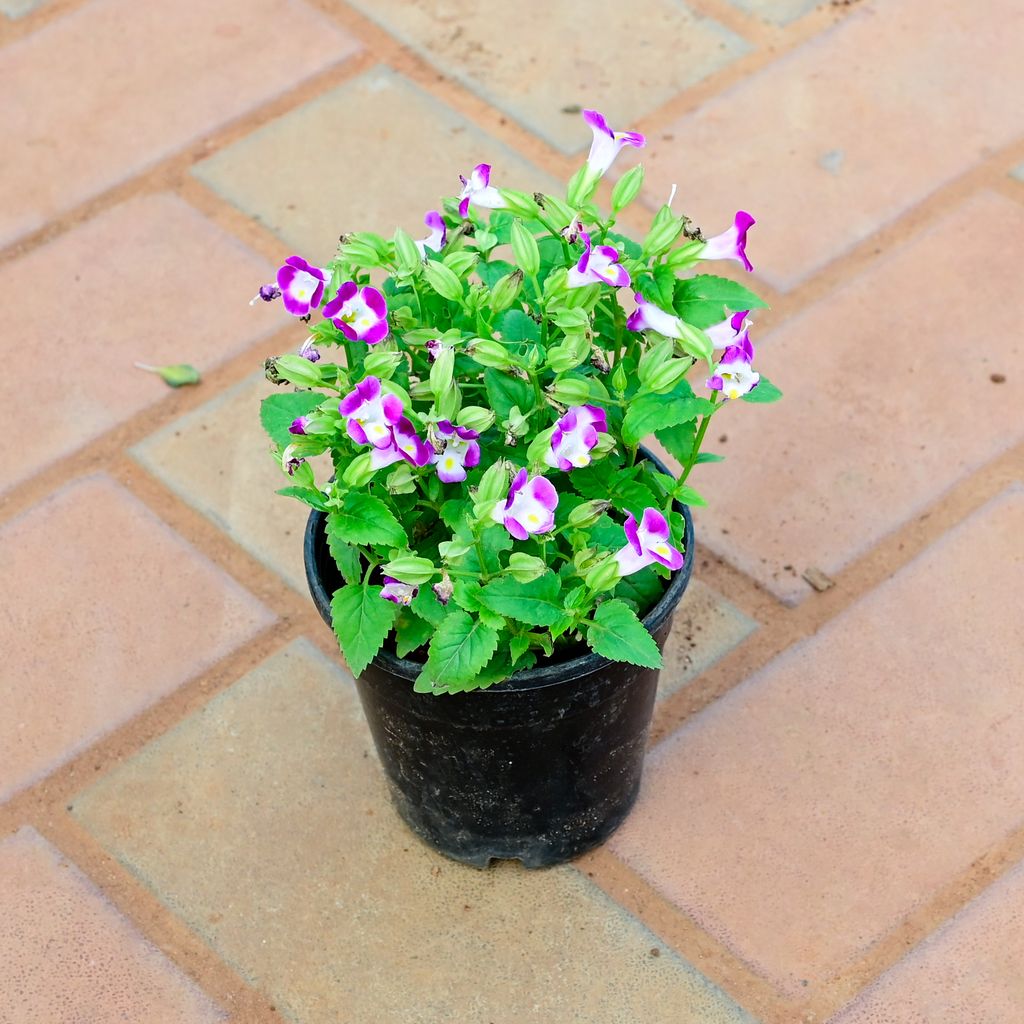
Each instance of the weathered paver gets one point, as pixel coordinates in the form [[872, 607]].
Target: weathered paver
[[534, 68], [839, 137], [110, 88], [263, 821], [68, 955], [804, 814], [889, 401], [217, 459], [127, 291], [705, 628], [968, 972], [778, 12], [108, 611], [386, 152]]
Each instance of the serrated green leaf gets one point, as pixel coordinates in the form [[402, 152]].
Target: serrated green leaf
[[678, 440], [411, 632], [494, 540], [516, 326], [535, 603], [362, 620], [517, 647], [708, 457], [688, 496], [649, 413], [461, 647], [705, 300], [426, 605], [617, 634], [277, 412], [765, 391], [642, 589], [504, 391], [363, 519], [307, 495], [346, 557]]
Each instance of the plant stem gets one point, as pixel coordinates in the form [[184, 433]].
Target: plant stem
[[698, 440]]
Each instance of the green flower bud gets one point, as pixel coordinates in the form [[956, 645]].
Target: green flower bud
[[525, 249], [443, 280], [523, 568], [619, 378], [298, 370], [460, 263], [517, 423], [582, 186], [588, 513], [381, 363], [474, 417], [570, 353], [605, 443], [407, 256], [560, 211], [539, 447], [400, 480], [421, 389], [627, 188], [604, 575], [570, 390], [505, 290], [685, 256], [359, 472], [519, 203], [448, 402], [449, 550], [665, 377], [665, 229], [410, 569], [488, 352], [493, 488], [441, 371]]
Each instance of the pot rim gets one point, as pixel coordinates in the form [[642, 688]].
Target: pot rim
[[549, 674]]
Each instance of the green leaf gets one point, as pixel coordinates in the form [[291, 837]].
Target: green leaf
[[461, 647], [517, 647], [362, 619], [649, 413], [426, 605], [504, 391], [363, 519], [688, 496], [535, 603], [347, 558], [494, 540], [678, 440], [176, 375], [617, 634], [516, 326], [278, 411], [307, 495], [708, 457], [624, 244], [411, 632], [705, 300], [492, 272], [642, 589], [765, 391]]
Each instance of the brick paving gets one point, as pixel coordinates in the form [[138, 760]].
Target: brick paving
[[192, 824]]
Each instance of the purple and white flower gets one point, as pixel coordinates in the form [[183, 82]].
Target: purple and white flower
[[437, 237], [370, 413], [724, 334], [598, 266], [479, 191], [309, 350], [649, 317], [403, 443], [575, 437], [461, 452], [731, 244], [734, 376], [298, 425], [361, 314], [435, 347], [572, 230], [649, 541], [398, 592], [302, 285], [290, 461], [607, 144], [529, 508]]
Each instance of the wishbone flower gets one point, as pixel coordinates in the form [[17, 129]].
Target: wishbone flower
[[370, 413], [403, 443], [598, 266], [734, 376], [649, 317], [529, 508], [302, 285], [731, 244], [478, 191], [575, 436], [648, 542], [725, 333], [607, 144], [437, 237], [461, 452], [398, 592], [361, 314]]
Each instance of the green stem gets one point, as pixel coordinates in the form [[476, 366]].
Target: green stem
[[698, 441]]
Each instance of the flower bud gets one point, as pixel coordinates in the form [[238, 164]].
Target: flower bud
[[519, 203], [460, 263], [665, 229], [588, 513], [381, 363], [410, 569], [359, 471], [475, 418], [525, 249], [505, 290], [400, 480], [493, 485], [619, 378], [517, 423], [685, 256], [452, 549], [523, 568], [488, 352], [443, 280], [539, 447], [441, 372], [582, 186], [666, 376], [604, 575], [605, 443], [297, 370], [570, 390], [448, 402], [406, 254], [560, 211], [627, 188], [421, 389], [570, 353]]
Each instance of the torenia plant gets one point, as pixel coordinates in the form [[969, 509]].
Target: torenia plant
[[490, 504]]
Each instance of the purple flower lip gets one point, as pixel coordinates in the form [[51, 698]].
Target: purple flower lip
[[734, 376], [478, 191], [607, 144], [598, 266], [460, 452], [529, 508], [731, 244], [370, 413], [302, 285], [575, 435], [435, 241], [398, 592], [361, 314], [647, 542]]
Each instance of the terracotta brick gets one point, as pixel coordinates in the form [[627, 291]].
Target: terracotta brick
[[968, 972], [216, 459], [68, 955], [369, 135], [113, 611], [263, 821], [134, 298], [841, 136], [888, 403], [778, 12], [803, 815], [705, 628], [533, 68], [114, 86]]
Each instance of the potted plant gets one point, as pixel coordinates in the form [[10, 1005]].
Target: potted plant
[[495, 551]]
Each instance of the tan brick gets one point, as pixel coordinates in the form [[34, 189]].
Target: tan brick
[[804, 814], [383, 153], [534, 66], [68, 955], [888, 403], [108, 611], [125, 292], [263, 821], [841, 136], [217, 459], [109, 89], [968, 972], [704, 628]]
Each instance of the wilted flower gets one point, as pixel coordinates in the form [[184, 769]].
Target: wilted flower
[[302, 285], [361, 314], [438, 234], [398, 592], [309, 350], [479, 191], [575, 436], [731, 244], [607, 144], [598, 266], [529, 508], [734, 376], [267, 292], [370, 413], [435, 347], [443, 591], [648, 542], [461, 452], [290, 461]]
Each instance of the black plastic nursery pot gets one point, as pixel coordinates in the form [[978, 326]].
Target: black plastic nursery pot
[[540, 767]]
